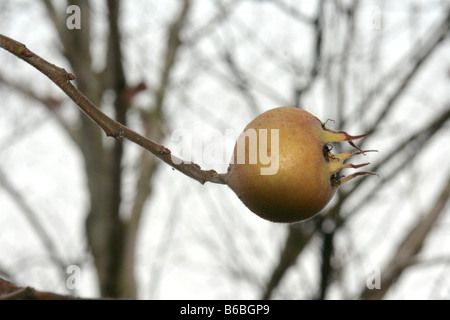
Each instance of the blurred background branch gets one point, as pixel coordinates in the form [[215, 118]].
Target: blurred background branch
[[204, 70]]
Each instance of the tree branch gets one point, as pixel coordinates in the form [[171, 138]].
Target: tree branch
[[52, 104], [410, 247], [31, 217], [9, 291], [317, 56], [298, 237], [111, 127], [152, 122], [422, 53]]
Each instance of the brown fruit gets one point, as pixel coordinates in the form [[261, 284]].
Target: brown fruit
[[282, 168]]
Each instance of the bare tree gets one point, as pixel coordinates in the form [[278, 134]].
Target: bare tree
[[144, 70]]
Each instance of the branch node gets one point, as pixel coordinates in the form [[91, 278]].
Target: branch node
[[119, 135], [212, 173], [70, 76], [23, 50], [164, 150]]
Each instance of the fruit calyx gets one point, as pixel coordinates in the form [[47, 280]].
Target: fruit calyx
[[329, 135], [336, 161]]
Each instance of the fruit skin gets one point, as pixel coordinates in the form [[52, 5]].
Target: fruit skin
[[306, 179]]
